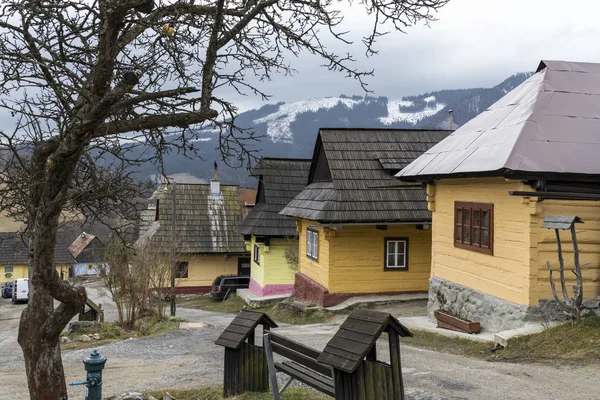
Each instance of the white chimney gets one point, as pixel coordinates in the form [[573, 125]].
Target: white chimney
[[215, 184]]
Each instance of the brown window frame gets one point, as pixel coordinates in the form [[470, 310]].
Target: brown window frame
[[479, 229], [256, 255]]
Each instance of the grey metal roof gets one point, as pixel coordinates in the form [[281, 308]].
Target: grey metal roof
[[204, 223], [362, 164], [280, 179], [550, 124]]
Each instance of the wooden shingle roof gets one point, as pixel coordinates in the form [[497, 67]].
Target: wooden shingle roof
[[241, 327], [280, 179], [357, 336], [561, 221], [352, 176], [204, 223]]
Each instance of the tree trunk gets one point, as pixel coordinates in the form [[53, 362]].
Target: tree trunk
[[41, 350], [41, 323]]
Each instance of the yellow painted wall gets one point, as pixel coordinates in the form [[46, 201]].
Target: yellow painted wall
[[505, 274], [517, 270], [544, 247], [22, 271], [203, 269], [273, 268], [316, 270], [357, 260], [351, 259]]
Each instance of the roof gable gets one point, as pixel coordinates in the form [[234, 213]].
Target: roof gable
[[242, 326], [280, 179], [205, 223], [534, 130], [356, 336], [362, 186]]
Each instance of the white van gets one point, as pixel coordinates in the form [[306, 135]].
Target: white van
[[20, 290]]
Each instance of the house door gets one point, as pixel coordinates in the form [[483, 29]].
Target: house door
[[244, 266]]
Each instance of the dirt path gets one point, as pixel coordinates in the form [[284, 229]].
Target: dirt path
[[189, 358]]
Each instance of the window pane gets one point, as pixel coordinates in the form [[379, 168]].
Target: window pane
[[401, 247], [476, 236], [485, 218], [467, 235], [391, 248], [391, 260], [475, 218], [467, 217], [459, 215], [485, 237], [459, 233]]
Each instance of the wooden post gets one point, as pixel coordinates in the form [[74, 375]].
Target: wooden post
[[271, 366], [396, 364]]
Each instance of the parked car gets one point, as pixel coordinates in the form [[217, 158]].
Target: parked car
[[7, 290], [226, 285], [20, 290]]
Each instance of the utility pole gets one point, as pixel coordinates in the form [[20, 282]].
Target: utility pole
[[173, 255]]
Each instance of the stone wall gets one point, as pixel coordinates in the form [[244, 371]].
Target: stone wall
[[493, 313]]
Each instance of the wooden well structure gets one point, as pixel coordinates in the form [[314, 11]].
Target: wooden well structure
[[352, 355], [245, 368]]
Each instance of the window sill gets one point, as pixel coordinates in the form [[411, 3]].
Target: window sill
[[482, 250]]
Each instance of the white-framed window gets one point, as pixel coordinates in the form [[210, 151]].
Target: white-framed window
[[396, 254], [312, 244], [256, 255]]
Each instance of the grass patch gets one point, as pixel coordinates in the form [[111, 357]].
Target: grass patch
[[111, 332], [447, 344], [564, 343], [579, 343], [216, 393], [279, 312]]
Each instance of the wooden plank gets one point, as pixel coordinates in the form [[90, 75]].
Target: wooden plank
[[368, 328], [369, 315], [242, 330], [328, 380], [308, 351], [356, 336], [307, 379], [396, 365], [369, 381], [271, 366], [337, 362], [233, 336], [342, 353], [348, 345], [249, 324], [227, 343], [300, 358]]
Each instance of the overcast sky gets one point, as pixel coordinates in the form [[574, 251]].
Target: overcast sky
[[474, 43]]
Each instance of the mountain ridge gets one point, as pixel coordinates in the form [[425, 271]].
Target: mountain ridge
[[288, 129]]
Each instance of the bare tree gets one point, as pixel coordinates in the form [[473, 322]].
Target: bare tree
[[87, 81], [153, 259]]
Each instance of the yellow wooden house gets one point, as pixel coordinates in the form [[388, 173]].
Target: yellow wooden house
[[493, 181], [268, 235], [14, 255], [361, 230], [203, 231]]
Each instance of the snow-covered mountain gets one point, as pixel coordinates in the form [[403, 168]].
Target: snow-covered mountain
[[289, 129]]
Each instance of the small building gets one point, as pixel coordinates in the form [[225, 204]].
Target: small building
[[269, 235], [361, 230], [202, 231], [492, 182], [88, 252], [14, 255]]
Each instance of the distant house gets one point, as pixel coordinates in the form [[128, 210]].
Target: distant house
[[492, 182], [361, 230], [204, 227], [88, 252], [14, 255], [268, 234]]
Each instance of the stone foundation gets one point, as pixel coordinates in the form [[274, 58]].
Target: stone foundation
[[493, 313]]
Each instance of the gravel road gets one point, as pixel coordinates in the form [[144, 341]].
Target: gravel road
[[189, 358]]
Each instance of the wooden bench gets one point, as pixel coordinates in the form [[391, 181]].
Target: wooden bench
[[301, 364]]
